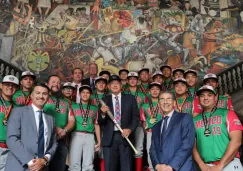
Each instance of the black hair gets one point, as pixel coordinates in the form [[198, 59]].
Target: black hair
[[53, 75], [42, 85]]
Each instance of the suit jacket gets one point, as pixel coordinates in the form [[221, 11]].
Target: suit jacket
[[22, 138], [129, 117], [86, 81], [176, 148]]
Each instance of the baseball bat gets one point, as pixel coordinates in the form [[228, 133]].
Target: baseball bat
[[117, 125]]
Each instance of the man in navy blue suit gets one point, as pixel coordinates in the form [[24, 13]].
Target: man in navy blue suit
[[172, 138]]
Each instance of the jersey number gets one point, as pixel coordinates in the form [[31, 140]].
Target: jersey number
[[216, 130]]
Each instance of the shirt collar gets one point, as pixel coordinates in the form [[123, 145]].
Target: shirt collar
[[77, 84], [170, 114], [119, 95], [35, 108]]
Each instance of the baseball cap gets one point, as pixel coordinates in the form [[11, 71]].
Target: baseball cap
[[114, 77], [206, 88], [154, 84], [178, 69], [157, 73], [165, 66], [132, 74], [104, 72], [209, 76], [68, 84], [10, 79], [182, 80], [143, 69], [190, 71], [28, 73], [85, 87], [123, 69], [100, 78]]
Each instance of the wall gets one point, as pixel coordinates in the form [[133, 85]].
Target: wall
[[121, 35]]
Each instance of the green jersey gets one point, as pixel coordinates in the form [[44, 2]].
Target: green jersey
[[59, 109], [140, 97], [3, 128], [167, 85], [21, 98], [124, 87], [86, 117], [212, 148], [144, 88], [94, 99], [150, 118], [192, 92], [185, 105]]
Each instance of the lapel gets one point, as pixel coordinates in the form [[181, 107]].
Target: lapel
[[122, 104], [48, 125], [171, 124], [110, 104], [31, 113]]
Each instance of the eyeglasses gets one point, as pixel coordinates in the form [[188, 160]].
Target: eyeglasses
[[165, 100], [68, 89]]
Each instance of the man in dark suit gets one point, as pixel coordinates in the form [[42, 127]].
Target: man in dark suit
[[90, 81], [125, 111], [31, 134], [172, 138]]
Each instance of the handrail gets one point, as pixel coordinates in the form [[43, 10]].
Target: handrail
[[8, 69], [231, 79]]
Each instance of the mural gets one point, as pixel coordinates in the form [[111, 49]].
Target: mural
[[54, 37]]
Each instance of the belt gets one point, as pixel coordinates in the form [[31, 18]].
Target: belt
[[214, 162], [3, 145], [149, 130], [85, 132], [217, 162]]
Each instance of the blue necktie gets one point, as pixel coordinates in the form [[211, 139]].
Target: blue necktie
[[41, 140], [93, 84], [165, 119]]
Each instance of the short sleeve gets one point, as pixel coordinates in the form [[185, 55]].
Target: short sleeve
[[233, 122], [142, 115], [197, 108]]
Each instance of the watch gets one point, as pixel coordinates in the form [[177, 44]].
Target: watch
[[46, 161]]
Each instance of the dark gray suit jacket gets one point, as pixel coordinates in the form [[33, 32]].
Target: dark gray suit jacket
[[22, 138]]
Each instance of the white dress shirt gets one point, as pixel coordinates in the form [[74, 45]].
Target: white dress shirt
[[114, 106], [36, 113], [168, 120], [77, 94]]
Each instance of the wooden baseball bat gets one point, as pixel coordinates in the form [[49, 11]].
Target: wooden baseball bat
[[117, 125]]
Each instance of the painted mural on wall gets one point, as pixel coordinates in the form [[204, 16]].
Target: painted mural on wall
[[54, 37]]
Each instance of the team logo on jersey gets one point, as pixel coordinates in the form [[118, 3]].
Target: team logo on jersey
[[139, 99], [77, 112], [237, 122]]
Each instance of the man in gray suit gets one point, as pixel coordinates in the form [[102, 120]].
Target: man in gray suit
[[31, 135]]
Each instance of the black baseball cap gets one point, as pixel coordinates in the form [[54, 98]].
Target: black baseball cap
[[85, 87], [114, 77]]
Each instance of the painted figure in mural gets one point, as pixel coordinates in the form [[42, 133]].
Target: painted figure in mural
[[198, 28], [84, 19], [44, 7]]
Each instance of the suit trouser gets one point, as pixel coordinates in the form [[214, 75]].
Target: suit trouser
[[118, 152], [234, 165], [149, 138], [82, 148], [58, 163], [139, 137], [3, 157]]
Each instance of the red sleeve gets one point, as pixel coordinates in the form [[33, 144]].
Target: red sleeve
[[142, 115], [233, 122], [71, 110], [197, 108], [146, 99], [229, 104]]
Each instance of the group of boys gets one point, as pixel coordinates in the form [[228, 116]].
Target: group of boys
[[213, 126]]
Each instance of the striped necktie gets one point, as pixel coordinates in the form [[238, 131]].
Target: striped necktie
[[117, 111]]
